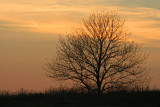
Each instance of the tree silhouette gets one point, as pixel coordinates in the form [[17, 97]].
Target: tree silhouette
[[98, 56]]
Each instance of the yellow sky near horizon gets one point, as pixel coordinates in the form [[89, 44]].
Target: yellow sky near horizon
[[29, 32]]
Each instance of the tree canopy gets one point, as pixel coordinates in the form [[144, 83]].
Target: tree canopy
[[99, 57]]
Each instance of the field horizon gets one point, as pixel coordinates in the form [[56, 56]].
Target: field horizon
[[69, 98]]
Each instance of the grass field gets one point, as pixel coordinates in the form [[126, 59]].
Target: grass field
[[73, 99]]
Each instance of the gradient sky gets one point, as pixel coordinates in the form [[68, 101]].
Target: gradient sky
[[29, 31]]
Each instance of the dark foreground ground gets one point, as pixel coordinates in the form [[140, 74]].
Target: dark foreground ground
[[69, 99]]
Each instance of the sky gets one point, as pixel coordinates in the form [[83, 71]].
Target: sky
[[29, 32]]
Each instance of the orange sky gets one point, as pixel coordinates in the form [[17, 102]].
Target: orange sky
[[29, 31]]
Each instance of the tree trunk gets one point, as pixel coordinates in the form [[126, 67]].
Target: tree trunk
[[99, 87]]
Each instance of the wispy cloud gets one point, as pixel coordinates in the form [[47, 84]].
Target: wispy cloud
[[59, 16], [140, 3]]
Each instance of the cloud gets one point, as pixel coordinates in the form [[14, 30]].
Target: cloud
[[59, 16], [139, 3], [144, 25]]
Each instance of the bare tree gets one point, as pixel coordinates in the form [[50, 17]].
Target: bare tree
[[98, 56]]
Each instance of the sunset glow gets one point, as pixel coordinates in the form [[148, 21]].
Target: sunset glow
[[29, 31]]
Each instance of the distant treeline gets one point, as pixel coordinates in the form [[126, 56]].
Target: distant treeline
[[70, 98]]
